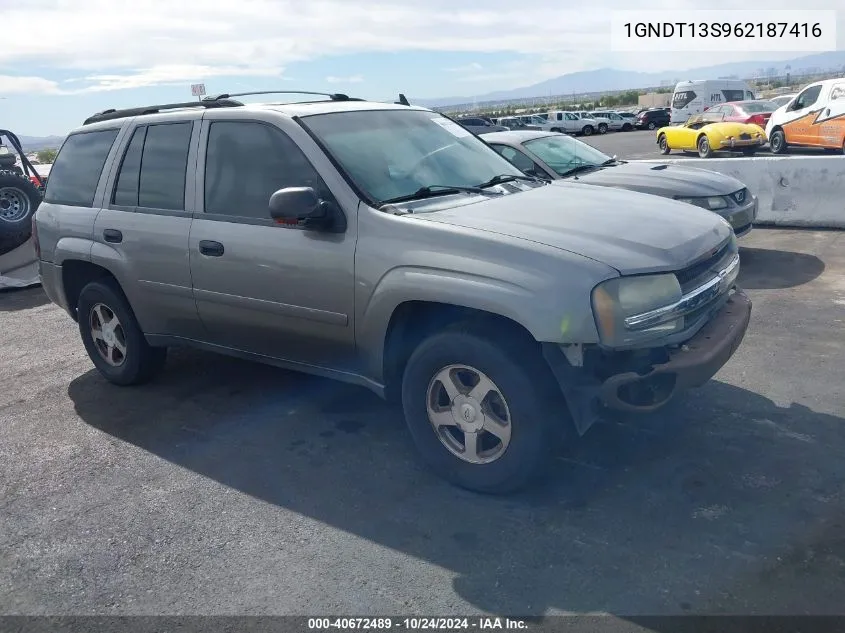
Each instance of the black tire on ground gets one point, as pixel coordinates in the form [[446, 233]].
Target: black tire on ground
[[652, 125], [587, 130], [19, 199], [777, 142], [663, 144], [141, 361], [627, 127], [532, 399], [703, 145], [556, 129], [602, 128]]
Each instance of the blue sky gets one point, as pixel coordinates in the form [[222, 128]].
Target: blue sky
[[62, 60]]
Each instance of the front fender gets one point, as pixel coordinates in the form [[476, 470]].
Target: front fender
[[550, 318]]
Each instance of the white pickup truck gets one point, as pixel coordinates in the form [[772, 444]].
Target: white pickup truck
[[570, 123]]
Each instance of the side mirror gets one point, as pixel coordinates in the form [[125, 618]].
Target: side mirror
[[299, 205]]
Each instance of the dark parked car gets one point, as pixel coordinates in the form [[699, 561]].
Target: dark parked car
[[479, 125], [652, 119], [553, 156]]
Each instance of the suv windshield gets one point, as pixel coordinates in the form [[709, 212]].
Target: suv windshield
[[564, 153], [393, 153]]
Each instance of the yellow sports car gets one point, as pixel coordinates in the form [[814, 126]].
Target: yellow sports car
[[707, 136]]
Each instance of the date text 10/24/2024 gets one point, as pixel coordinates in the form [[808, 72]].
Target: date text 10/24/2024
[[416, 624]]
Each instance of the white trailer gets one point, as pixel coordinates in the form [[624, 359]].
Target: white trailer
[[694, 97]]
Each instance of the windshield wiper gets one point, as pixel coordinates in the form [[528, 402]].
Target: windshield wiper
[[497, 180], [580, 168], [437, 190]]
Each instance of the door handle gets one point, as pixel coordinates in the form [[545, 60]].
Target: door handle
[[112, 235], [211, 248]]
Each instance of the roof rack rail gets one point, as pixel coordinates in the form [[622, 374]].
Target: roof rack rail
[[108, 115], [333, 96]]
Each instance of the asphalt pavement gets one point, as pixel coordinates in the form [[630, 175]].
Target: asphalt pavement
[[226, 487], [642, 145]]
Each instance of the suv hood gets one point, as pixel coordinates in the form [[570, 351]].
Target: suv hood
[[663, 180], [629, 231]]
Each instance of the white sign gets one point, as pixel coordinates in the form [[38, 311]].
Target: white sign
[[198, 90]]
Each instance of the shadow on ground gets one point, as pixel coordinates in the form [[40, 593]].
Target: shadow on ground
[[14, 299], [768, 269], [720, 491]]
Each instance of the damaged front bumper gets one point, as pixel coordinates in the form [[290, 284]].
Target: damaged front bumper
[[624, 383]]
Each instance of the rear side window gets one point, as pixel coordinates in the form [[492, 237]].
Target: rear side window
[[163, 166], [126, 190], [76, 172], [152, 174]]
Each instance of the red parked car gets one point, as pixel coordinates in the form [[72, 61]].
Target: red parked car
[[756, 112]]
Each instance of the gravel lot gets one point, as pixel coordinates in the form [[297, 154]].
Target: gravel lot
[[232, 488], [642, 144]]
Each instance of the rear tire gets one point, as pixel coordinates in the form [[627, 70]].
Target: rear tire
[[602, 128], [663, 144], [99, 303], [777, 142], [524, 387], [703, 145], [652, 125]]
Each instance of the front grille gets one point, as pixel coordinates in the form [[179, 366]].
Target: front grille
[[693, 276]]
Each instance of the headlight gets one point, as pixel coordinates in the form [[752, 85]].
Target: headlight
[[618, 299], [712, 203]]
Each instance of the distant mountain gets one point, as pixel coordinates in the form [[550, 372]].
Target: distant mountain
[[610, 79], [35, 143]]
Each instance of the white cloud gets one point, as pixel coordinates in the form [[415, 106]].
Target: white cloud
[[468, 68], [11, 84], [352, 79], [120, 45]]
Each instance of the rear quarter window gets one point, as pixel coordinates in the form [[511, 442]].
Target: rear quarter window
[[77, 168]]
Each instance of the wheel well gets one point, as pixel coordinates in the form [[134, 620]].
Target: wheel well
[[414, 321], [76, 274]]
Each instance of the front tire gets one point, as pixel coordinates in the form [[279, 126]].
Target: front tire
[[112, 336], [663, 144], [587, 130], [704, 149], [602, 128], [777, 142], [479, 418]]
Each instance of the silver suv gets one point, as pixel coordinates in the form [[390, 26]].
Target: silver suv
[[387, 246]]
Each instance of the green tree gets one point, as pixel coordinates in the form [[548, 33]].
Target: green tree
[[46, 156]]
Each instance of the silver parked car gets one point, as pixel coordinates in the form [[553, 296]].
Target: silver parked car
[[559, 157], [386, 246], [615, 122]]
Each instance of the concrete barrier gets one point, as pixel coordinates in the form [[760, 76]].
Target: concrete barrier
[[796, 191], [19, 267]]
